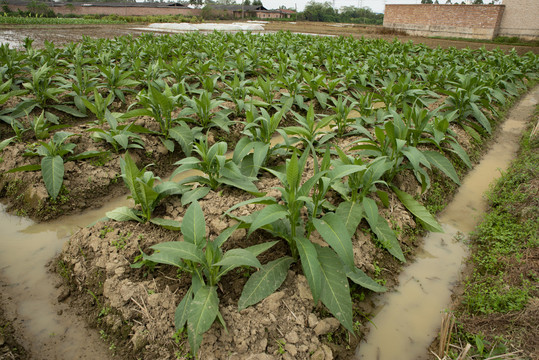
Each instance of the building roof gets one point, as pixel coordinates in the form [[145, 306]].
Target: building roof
[[236, 7]]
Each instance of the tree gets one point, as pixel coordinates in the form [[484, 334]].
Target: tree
[[426, 2], [247, 2], [257, 2], [319, 11], [478, 2]]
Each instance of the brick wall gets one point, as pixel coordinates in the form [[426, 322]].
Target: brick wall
[[467, 21], [521, 19]]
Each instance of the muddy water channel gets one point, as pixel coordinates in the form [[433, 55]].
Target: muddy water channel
[[49, 329], [408, 319]]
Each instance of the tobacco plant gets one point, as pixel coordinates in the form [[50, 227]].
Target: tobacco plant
[[145, 193], [391, 142], [53, 155], [206, 262], [120, 137], [117, 81], [160, 104], [205, 110], [326, 269], [216, 168]]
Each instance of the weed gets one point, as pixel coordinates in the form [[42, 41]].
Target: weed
[[121, 241], [106, 229], [63, 270], [21, 212], [281, 343]]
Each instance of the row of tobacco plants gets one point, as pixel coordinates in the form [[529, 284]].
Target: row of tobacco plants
[[336, 122]]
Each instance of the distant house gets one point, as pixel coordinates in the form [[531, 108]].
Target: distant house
[[239, 11], [253, 11], [287, 13]]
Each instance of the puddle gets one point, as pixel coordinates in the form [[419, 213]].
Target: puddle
[[408, 319], [25, 250], [10, 38]]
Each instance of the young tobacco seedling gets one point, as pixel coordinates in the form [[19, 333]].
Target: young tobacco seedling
[[144, 193], [52, 164], [327, 269], [217, 168], [204, 259]]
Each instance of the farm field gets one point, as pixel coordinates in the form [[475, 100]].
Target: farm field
[[271, 178]]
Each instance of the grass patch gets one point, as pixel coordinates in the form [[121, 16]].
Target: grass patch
[[502, 40]]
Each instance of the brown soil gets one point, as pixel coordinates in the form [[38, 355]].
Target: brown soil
[[10, 347]]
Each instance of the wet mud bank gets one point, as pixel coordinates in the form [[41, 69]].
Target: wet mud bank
[[411, 314]]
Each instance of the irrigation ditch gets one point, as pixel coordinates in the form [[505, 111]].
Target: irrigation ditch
[[396, 141]]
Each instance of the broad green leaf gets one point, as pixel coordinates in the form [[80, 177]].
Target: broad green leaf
[[268, 215], [362, 279], [334, 232], [168, 144], [442, 163], [224, 235], [264, 282], [420, 212], [335, 292], [462, 154], [194, 225], [384, 197], [260, 248], [241, 183], [69, 110], [235, 258], [267, 200], [470, 131], [292, 172], [351, 213], [123, 213], [383, 232], [180, 315], [184, 136], [122, 140], [52, 169], [194, 195], [173, 252], [480, 117], [202, 313], [146, 196], [34, 167], [310, 265], [167, 223], [344, 170], [129, 172], [243, 147], [5, 143]]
